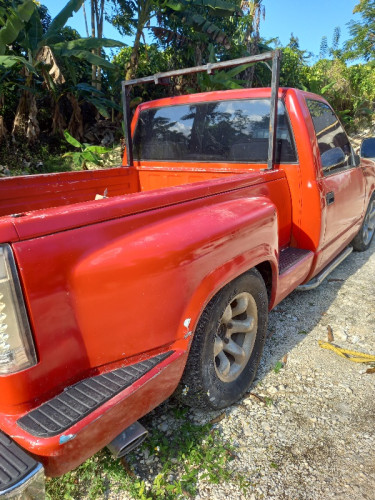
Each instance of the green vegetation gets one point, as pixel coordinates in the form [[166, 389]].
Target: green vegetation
[[86, 152], [278, 366], [173, 467], [52, 79]]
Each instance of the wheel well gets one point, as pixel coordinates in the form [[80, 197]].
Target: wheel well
[[266, 271]]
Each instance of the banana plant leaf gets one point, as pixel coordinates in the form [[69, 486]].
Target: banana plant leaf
[[9, 61], [102, 104], [225, 8], [85, 87], [15, 23], [71, 140], [61, 19], [207, 27], [167, 36], [88, 44], [85, 55], [34, 34]]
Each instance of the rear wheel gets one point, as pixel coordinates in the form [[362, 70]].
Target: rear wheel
[[228, 344], [364, 237]]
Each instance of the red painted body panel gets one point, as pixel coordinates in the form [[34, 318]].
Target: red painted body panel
[[109, 275], [108, 283]]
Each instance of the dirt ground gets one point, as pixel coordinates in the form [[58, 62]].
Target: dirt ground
[[306, 431], [316, 439]]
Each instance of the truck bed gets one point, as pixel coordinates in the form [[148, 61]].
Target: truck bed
[[37, 192]]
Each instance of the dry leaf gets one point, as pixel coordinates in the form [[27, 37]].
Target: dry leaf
[[256, 396], [33, 130], [45, 55], [127, 467], [3, 129], [20, 120], [187, 494], [285, 359], [230, 453], [370, 370], [75, 127], [330, 334], [218, 419]]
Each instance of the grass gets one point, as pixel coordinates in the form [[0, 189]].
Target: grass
[[173, 466], [278, 366]]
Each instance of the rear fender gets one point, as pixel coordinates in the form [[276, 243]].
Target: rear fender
[[253, 240], [123, 288]]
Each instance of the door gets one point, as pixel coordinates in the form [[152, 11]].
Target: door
[[343, 183]]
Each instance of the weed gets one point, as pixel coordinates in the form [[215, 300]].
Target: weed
[[274, 465], [191, 454], [269, 401], [302, 332], [278, 367], [86, 153], [180, 411]]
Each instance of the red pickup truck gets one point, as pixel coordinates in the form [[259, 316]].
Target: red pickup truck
[[107, 304]]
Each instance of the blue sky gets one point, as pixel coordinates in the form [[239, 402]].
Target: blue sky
[[309, 20]]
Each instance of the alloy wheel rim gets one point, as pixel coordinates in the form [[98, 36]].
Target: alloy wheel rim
[[235, 337]]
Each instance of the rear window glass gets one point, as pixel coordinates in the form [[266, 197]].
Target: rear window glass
[[225, 131]]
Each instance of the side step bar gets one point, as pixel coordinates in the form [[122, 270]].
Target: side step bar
[[319, 278]]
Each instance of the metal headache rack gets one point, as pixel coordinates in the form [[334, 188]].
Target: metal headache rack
[[273, 56]]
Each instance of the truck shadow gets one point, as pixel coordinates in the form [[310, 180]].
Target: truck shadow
[[300, 313], [183, 444]]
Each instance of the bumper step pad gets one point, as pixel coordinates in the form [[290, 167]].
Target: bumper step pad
[[77, 401], [15, 465]]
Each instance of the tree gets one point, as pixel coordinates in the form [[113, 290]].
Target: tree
[[47, 51], [97, 22], [362, 43], [256, 11], [177, 21]]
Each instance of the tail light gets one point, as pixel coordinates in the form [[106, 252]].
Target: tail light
[[17, 350]]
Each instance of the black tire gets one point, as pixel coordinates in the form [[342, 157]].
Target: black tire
[[206, 381], [365, 235]]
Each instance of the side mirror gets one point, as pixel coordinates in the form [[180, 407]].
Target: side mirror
[[368, 148], [332, 158]]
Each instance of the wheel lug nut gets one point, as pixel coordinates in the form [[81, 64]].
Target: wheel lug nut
[[226, 341], [229, 325]]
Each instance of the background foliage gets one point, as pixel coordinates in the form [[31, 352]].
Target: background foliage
[[53, 80]]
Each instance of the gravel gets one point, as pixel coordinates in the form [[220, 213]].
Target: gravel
[[306, 430]]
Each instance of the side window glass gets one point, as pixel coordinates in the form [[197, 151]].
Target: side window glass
[[334, 146]]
